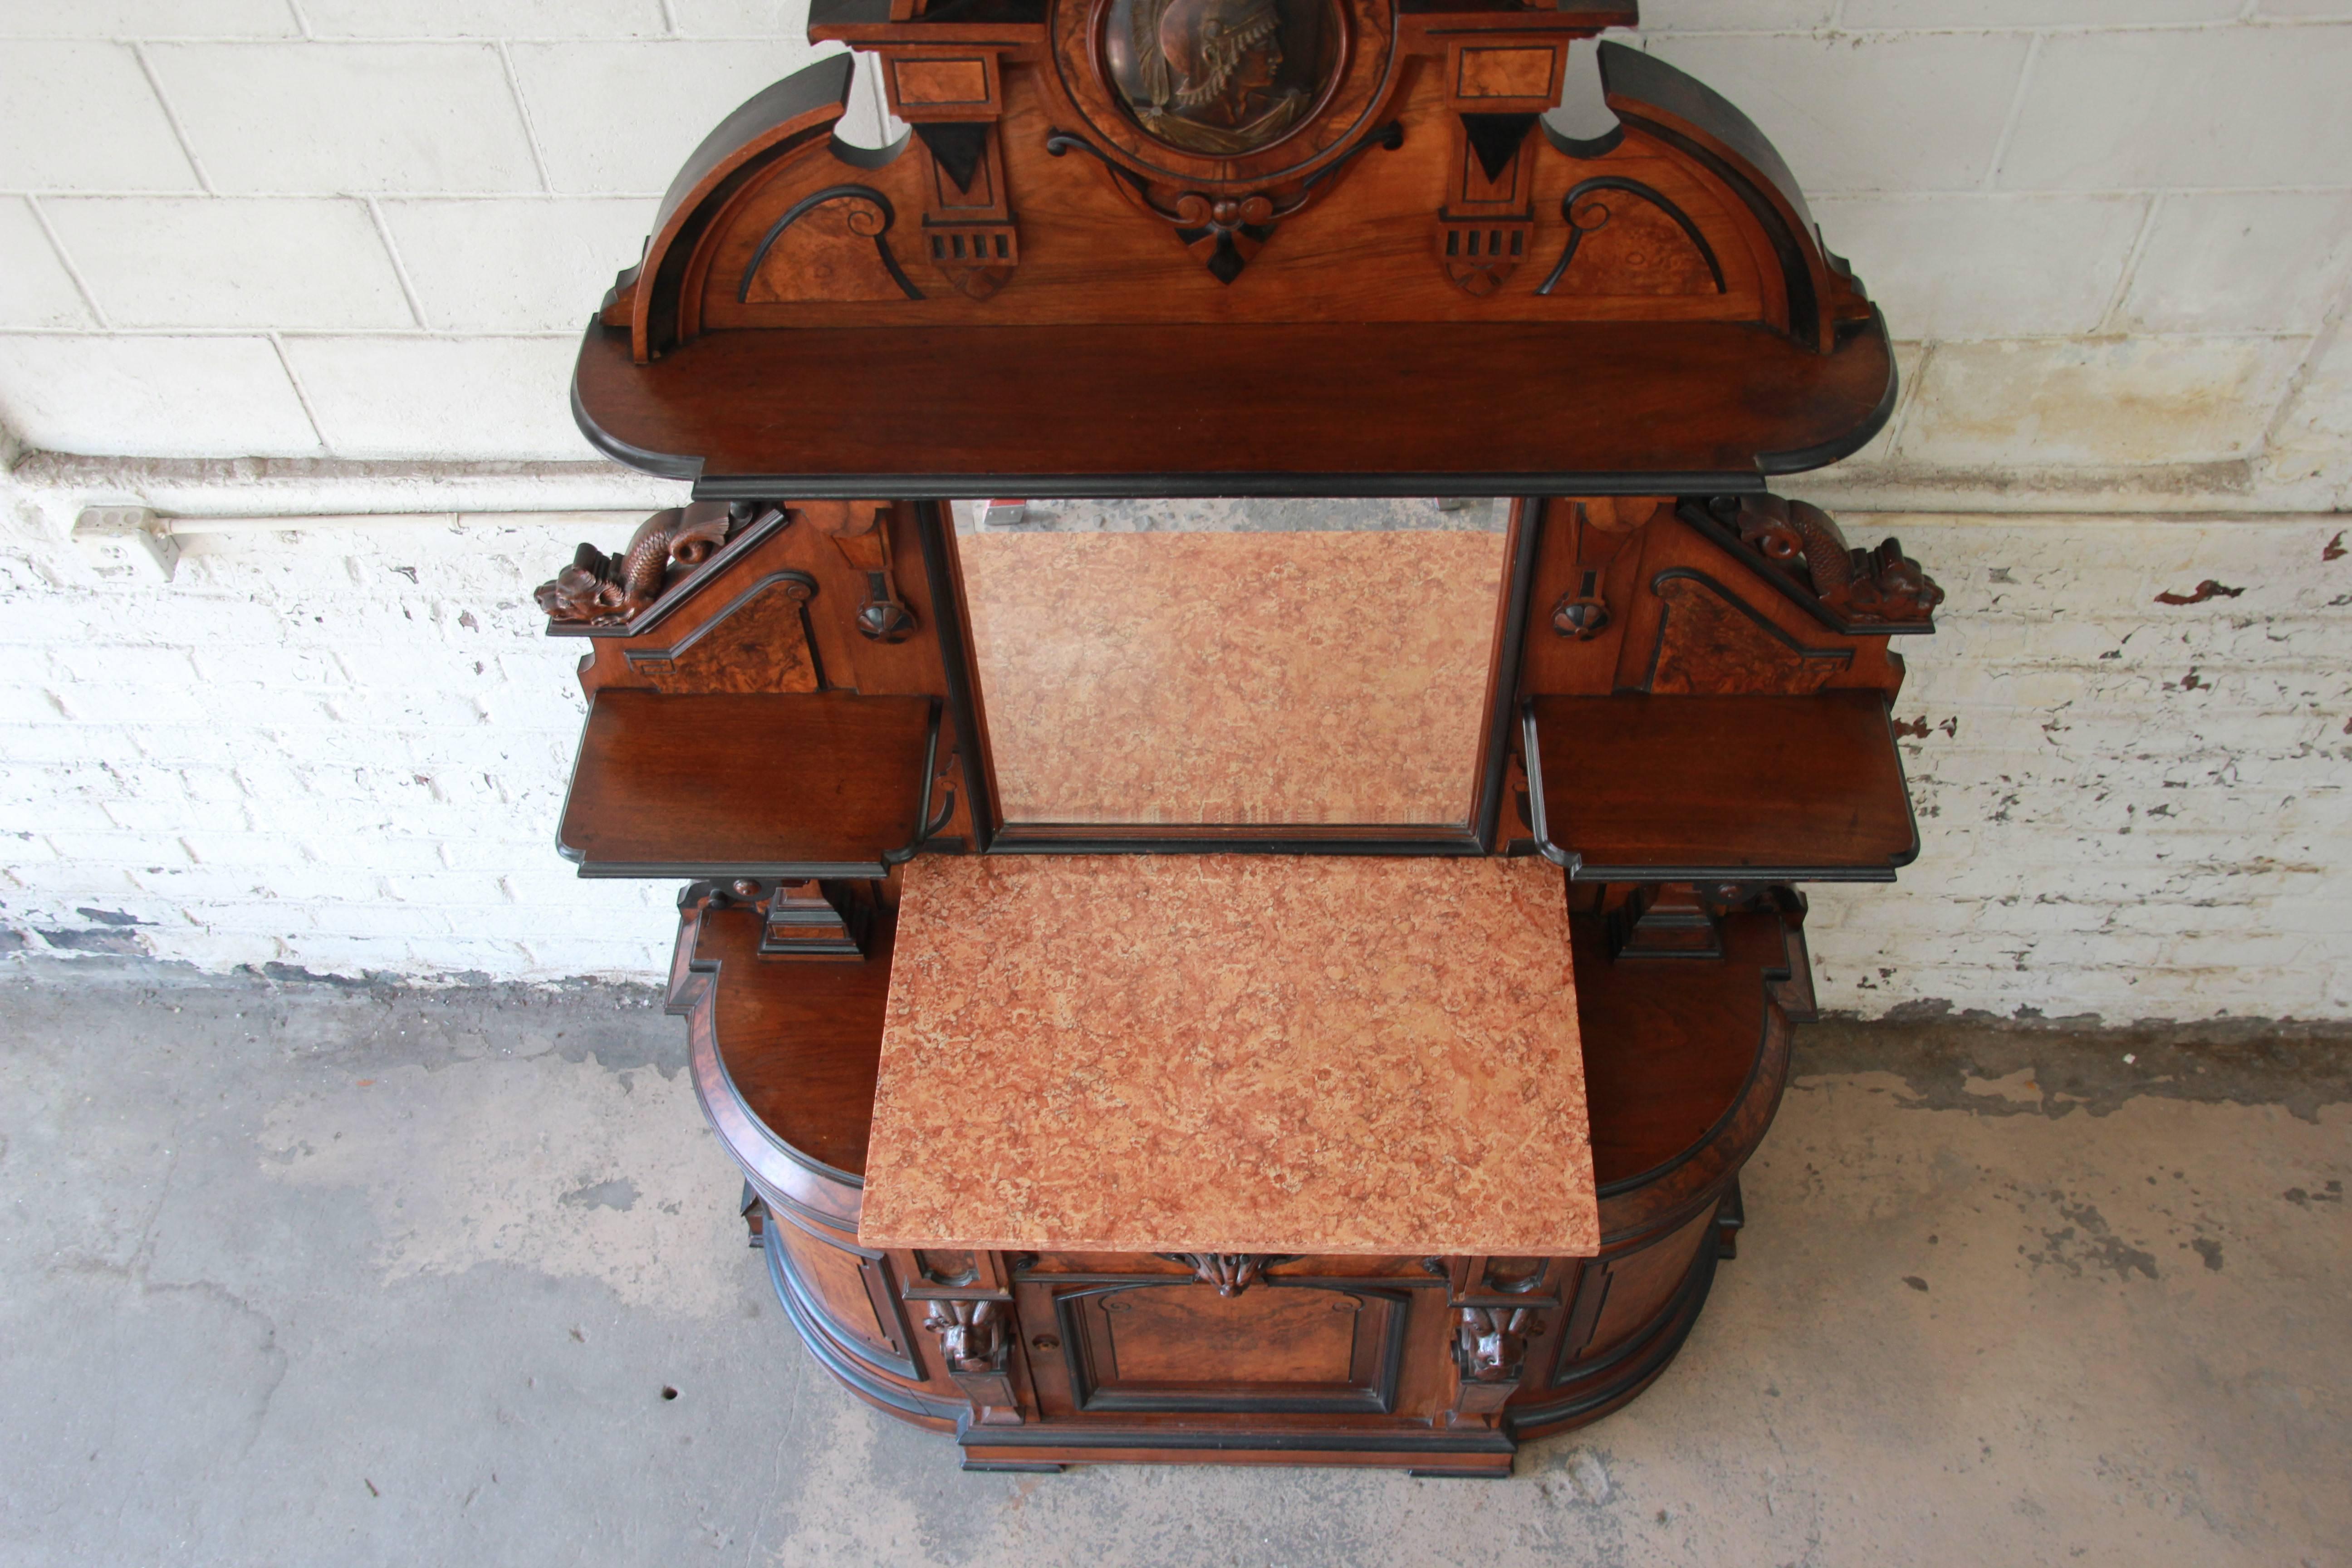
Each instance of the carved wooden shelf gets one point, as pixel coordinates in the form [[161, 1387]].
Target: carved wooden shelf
[[1637, 788], [774, 785], [1503, 408]]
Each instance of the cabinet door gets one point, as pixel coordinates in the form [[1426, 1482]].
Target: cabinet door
[[1274, 1347], [847, 1289]]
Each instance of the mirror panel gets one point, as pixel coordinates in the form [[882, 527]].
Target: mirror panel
[[1259, 663]]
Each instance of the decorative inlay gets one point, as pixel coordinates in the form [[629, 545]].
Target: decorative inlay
[[1587, 214], [759, 643], [1713, 644]]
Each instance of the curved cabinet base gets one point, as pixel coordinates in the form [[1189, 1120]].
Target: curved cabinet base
[[1579, 1395], [1442, 1366]]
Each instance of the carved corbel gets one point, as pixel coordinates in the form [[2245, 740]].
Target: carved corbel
[[1882, 586], [612, 590], [1498, 88], [1490, 1352], [977, 1349], [953, 100], [861, 532]]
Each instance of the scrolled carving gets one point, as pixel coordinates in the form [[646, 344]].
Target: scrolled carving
[[608, 591], [971, 1334], [1881, 585], [1587, 214], [1231, 1272], [867, 215], [1491, 1343]]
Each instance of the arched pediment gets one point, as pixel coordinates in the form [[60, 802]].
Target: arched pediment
[[1387, 174]]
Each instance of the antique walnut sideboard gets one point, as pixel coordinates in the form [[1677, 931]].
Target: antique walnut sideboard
[[1280, 952]]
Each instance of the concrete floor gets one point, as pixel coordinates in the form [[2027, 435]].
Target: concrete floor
[[296, 1272]]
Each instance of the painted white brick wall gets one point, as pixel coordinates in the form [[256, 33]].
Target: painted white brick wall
[[261, 228], [347, 751]]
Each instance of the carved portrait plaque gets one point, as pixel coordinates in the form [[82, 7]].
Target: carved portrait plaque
[[1222, 77]]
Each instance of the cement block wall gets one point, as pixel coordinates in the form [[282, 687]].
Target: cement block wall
[[299, 256]]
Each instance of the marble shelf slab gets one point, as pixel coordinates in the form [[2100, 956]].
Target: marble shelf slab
[[1232, 1053]]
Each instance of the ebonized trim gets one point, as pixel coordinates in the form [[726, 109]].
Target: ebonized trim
[[677, 594], [933, 525], [1796, 269], [1527, 538], [1836, 657], [1092, 1398], [1654, 1352], [1658, 199], [809, 203], [1192, 486], [1405, 1439], [1804, 459]]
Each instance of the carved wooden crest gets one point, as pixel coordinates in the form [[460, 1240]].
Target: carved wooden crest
[[1121, 171]]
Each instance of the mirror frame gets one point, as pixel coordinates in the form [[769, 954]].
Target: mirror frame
[[935, 522]]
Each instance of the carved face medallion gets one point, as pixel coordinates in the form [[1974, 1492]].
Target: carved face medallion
[[1220, 78]]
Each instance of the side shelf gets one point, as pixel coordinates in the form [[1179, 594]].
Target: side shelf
[[1640, 788], [774, 785]]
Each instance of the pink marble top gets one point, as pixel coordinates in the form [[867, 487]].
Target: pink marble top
[[1232, 1053]]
